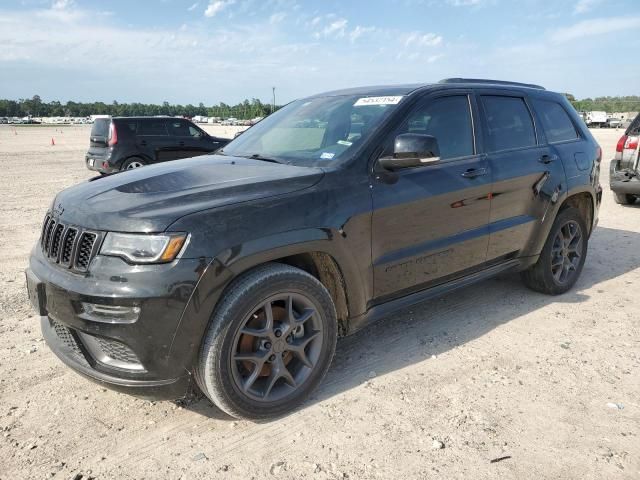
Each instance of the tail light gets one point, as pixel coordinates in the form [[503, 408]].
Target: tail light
[[113, 134], [627, 143]]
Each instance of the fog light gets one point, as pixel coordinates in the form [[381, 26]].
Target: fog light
[[109, 313]]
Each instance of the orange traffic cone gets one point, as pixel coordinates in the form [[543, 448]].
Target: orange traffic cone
[[53, 142]]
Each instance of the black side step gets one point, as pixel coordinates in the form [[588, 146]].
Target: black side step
[[385, 309]]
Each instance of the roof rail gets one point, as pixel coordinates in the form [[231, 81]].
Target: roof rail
[[490, 82]]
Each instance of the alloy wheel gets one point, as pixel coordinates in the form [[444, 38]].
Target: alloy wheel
[[276, 348], [566, 252]]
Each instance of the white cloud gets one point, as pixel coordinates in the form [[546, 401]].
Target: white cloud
[[584, 6], [277, 18], [598, 26], [192, 7], [357, 32], [465, 3], [417, 39], [216, 6], [336, 28], [61, 4]]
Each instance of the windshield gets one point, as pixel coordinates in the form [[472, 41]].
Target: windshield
[[314, 132]]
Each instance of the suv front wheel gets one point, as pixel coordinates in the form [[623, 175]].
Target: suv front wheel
[[269, 344], [562, 257]]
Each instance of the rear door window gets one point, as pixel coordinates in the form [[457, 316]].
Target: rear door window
[[509, 123], [178, 128], [183, 128], [558, 127], [152, 127]]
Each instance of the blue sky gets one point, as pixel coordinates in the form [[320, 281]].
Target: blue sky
[[191, 51]]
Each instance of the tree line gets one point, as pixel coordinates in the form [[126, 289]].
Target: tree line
[[35, 107], [245, 110], [608, 104]]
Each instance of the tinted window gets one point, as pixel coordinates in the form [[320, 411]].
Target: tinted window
[[100, 127], [556, 122], [447, 119], [509, 123], [152, 127], [182, 128]]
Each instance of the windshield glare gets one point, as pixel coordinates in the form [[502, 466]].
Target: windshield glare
[[314, 132]]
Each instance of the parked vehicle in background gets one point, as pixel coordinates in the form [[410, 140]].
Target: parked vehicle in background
[[624, 171], [238, 270], [596, 119], [612, 122], [4, 120], [123, 143]]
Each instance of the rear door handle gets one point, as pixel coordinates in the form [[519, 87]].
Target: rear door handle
[[181, 144], [548, 158], [143, 143], [474, 172]]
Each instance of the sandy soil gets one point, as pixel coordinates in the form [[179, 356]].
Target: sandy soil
[[551, 385]]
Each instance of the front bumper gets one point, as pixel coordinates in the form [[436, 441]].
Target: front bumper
[[63, 341], [150, 356]]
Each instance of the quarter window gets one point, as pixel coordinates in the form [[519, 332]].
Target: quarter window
[[448, 119], [509, 123], [556, 122]]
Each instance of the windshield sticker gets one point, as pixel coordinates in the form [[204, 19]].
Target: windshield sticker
[[345, 143], [378, 101], [327, 155]]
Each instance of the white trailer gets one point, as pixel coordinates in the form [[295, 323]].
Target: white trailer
[[596, 119]]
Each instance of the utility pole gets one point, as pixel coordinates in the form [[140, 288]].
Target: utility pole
[[273, 106]]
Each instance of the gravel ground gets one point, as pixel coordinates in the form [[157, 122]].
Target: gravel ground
[[494, 381]]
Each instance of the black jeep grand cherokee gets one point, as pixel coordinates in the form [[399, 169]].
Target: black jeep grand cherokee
[[239, 270]]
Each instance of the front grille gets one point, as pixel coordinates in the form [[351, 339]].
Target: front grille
[[117, 351], [68, 245], [67, 338]]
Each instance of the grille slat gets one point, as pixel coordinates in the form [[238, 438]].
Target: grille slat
[[85, 248], [47, 236], [55, 240], [67, 246], [70, 246]]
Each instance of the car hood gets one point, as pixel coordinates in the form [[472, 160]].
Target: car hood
[[151, 198]]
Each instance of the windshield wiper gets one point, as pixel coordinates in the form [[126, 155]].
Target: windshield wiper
[[257, 156]]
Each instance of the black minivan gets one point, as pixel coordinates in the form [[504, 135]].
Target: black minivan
[[123, 143]]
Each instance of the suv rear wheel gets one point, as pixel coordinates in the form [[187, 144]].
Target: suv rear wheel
[[131, 163], [562, 257], [269, 344], [623, 198]]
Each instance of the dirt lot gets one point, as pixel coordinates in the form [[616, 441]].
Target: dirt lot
[[551, 385]]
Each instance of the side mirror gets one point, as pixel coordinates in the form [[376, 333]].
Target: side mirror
[[412, 150]]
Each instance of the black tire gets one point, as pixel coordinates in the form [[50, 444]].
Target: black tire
[[131, 163], [541, 276], [219, 372], [623, 198]]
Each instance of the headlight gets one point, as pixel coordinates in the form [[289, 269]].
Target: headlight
[[140, 248]]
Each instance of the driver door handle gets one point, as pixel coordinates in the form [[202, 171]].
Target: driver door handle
[[474, 172], [548, 158]]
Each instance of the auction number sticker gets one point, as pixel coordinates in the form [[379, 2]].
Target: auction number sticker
[[394, 100]]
